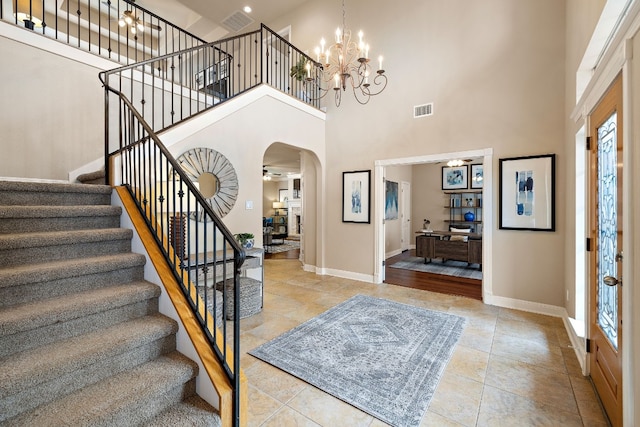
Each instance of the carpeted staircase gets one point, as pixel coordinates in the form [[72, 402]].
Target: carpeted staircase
[[81, 339]]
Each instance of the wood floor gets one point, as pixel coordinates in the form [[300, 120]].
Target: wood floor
[[469, 288]]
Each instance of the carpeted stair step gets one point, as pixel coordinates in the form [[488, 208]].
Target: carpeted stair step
[[29, 248], [40, 375], [23, 219], [129, 398], [193, 412], [30, 325], [95, 177], [32, 282], [47, 194]]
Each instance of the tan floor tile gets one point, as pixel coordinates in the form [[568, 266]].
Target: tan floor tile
[[326, 410], [271, 329], [479, 337], [571, 362], [494, 348], [468, 362], [542, 385], [588, 404], [261, 407], [287, 417], [457, 398], [545, 335], [529, 351], [274, 382], [525, 316], [501, 408], [431, 419]]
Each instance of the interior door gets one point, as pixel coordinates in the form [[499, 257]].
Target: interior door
[[405, 216], [606, 252]]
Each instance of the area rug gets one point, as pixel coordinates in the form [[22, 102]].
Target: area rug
[[448, 268], [284, 247], [383, 357]]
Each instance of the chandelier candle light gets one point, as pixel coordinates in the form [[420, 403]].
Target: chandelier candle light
[[347, 63]]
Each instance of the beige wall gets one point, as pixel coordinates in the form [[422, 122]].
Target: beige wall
[[495, 72], [51, 112], [271, 121]]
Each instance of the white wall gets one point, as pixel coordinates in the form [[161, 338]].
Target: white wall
[[393, 227]]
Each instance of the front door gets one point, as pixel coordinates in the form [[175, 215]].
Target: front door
[[606, 256]]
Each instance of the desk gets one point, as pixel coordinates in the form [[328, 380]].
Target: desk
[[432, 245]]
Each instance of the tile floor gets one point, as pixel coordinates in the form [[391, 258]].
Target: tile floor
[[510, 368]]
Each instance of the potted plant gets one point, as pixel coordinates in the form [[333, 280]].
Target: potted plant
[[299, 70], [245, 240]]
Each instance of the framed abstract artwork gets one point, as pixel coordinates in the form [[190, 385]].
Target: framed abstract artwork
[[527, 193], [356, 196], [455, 177]]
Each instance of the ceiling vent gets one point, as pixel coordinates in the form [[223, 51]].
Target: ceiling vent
[[236, 21], [423, 110]]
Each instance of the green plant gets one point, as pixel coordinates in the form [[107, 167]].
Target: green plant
[[299, 70], [242, 238]]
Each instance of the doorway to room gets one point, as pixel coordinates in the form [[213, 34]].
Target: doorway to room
[[458, 285]]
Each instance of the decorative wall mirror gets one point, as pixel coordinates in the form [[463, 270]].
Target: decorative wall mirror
[[215, 176]]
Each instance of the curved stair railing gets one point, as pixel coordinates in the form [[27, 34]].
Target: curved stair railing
[[172, 88], [150, 96], [203, 254]]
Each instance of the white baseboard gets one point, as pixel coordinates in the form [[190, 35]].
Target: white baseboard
[[368, 278], [392, 253], [533, 307], [578, 344]]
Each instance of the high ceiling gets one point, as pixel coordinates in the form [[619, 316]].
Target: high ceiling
[[205, 18]]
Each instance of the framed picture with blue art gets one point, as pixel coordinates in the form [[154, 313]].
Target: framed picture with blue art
[[455, 177], [356, 196], [527, 193], [477, 176], [391, 200]]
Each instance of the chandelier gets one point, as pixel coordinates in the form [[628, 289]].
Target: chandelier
[[130, 19], [346, 64]]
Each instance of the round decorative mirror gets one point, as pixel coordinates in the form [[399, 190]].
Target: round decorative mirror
[[215, 176]]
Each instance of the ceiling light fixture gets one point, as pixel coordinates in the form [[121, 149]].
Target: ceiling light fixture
[[346, 64], [455, 163], [247, 9], [130, 19]]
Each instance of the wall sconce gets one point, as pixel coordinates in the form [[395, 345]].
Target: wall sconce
[[278, 205]]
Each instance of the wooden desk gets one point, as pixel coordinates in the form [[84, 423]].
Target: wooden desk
[[431, 245]]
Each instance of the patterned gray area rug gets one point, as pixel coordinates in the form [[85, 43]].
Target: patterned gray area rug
[[448, 268], [380, 356], [284, 247]]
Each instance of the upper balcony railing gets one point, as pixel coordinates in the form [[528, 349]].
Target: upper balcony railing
[[169, 89], [116, 29]]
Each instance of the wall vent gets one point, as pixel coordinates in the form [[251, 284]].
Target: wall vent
[[423, 110], [236, 21]]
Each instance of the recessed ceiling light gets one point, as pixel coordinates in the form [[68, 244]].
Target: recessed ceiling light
[[247, 9]]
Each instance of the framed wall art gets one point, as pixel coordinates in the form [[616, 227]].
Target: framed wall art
[[391, 200], [455, 177], [527, 193], [477, 176], [356, 196]]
